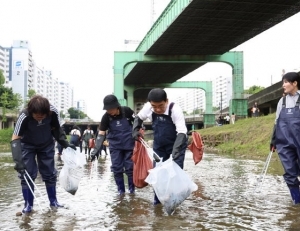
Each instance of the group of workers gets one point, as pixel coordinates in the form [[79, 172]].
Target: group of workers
[[38, 123]]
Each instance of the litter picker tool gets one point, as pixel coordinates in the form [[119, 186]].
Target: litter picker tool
[[155, 156], [261, 178], [28, 176]]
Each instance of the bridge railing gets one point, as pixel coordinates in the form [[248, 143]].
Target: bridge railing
[[162, 23]]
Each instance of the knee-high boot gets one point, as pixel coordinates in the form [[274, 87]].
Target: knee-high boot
[[156, 200], [131, 186], [28, 198], [51, 191], [295, 194], [120, 184]]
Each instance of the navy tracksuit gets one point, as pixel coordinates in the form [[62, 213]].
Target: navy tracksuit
[[38, 144]]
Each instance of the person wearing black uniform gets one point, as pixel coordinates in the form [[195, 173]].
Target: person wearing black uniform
[[169, 128], [118, 121], [32, 140]]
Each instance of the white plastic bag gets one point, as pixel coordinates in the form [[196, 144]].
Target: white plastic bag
[[171, 184], [72, 170]]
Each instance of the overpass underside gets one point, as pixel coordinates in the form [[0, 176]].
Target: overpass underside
[[189, 34]]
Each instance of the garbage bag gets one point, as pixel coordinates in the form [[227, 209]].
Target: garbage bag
[[171, 184], [92, 143], [141, 164], [196, 147], [72, 171]]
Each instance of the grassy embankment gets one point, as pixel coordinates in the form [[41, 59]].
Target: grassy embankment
[[247, 138], [5, 138]]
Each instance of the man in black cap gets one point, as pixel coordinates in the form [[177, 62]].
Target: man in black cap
[[118, 121]]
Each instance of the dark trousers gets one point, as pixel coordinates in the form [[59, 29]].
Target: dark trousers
[[165, 153], [42, 160], [121, 162]]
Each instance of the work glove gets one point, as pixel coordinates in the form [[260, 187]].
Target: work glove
[[273, 139], [98, 144], [181, 139], [137, 125], [17, 156]]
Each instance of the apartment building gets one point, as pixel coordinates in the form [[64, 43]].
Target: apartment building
[[5, 64]]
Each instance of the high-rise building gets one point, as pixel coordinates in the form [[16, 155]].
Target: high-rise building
[[22, 72], [65, 97], [46, 85], [222, 91], [195, 98], [80, 105], [5, 64]]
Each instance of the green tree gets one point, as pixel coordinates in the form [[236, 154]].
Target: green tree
[[216, 108], [2, 78], [30, 94], [253, 89], [5, 103], [76, 114]]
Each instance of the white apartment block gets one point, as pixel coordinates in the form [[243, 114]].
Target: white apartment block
[[22, 72], [222, 91], [46, 85], [5, 64], [195, 98], [65, 97], [81, 106]]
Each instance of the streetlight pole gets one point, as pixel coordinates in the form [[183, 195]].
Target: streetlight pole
[[221, 103], [221, 107]]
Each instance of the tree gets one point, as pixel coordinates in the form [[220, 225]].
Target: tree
[[2, 78], [253, 89], [216, 108], [30, 94], [5, 103], [76, 114]]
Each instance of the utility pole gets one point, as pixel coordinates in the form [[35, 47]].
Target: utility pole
[[221, 103]]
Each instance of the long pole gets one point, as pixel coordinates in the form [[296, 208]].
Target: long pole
[[221, 104]]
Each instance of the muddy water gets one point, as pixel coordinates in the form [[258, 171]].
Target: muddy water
[[225, 200]]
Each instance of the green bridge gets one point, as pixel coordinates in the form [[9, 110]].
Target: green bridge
[[189, 34]]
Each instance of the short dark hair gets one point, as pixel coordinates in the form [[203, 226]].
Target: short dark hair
[[292, 77], [157, 95], [39, 105]]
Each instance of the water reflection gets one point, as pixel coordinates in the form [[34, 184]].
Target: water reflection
[[225, 200]]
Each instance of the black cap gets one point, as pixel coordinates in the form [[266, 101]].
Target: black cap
[[110, 102]]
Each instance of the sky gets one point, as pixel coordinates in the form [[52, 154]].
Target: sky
[[76, 40]]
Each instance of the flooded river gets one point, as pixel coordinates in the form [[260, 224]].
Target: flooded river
[[225, 200]]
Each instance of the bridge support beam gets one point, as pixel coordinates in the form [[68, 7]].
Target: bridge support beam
[[124, 63]]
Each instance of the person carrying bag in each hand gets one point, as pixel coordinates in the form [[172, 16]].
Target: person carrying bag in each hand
[[169, 128], [32, 140]]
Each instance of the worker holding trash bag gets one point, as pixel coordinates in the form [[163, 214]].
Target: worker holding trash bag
[[32, 140], [168, 125], [118, 121], [285, 137]]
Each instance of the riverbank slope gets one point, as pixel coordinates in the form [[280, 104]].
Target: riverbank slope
[[247, 138]]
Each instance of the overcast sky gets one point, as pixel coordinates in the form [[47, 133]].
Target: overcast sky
[[76, 40]]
